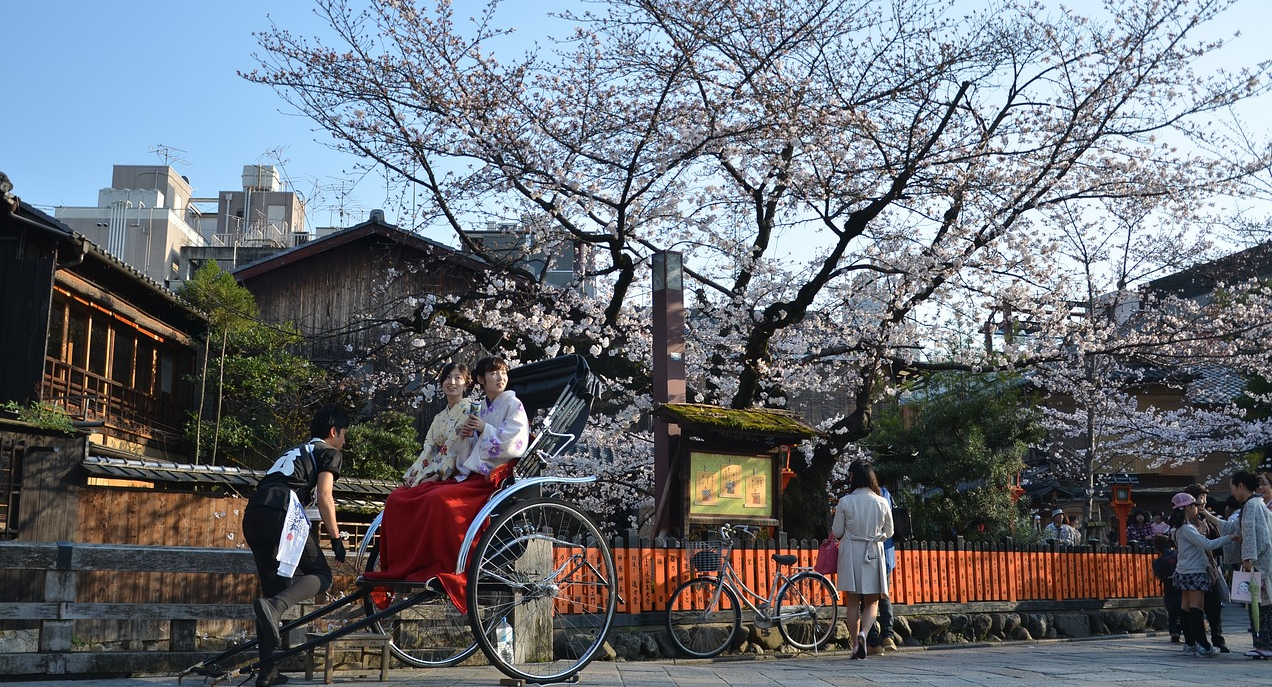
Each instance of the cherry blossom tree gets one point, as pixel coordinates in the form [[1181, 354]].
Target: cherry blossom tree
[[1147, 377], [852, 183]]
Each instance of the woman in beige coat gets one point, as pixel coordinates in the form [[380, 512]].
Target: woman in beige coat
[[862, 522]]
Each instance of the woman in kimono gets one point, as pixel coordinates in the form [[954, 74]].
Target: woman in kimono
[[862, 522], [444, 440], [424, 524]]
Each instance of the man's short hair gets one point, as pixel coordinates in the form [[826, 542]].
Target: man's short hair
[[1246, 479], [326, 419]]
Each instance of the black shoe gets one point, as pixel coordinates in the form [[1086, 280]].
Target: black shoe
[[271, 678], [267, 620], [1223, 648]]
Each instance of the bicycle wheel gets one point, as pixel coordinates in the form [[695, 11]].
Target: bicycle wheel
[[703, 617], [543, 567], [431, 634], [807, 608]]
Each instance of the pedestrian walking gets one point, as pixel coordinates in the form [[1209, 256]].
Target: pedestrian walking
[[1256, 554], [863, 521], [1210, 527], [882, 637], [1164, 570]]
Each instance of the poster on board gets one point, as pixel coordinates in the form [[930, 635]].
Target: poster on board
[[730, 484]]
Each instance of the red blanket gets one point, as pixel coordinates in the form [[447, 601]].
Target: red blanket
[[423, 528]]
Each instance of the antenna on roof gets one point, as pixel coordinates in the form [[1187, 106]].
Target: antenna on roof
[[168, 155]]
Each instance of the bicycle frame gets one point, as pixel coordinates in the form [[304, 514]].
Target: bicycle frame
[[729, 577]]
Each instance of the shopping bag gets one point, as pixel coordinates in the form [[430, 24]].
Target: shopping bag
[[1245, 586], [828, 557]]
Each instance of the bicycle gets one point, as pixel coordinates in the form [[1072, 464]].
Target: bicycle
[[704, 614]]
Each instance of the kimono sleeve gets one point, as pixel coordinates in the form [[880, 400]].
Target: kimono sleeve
[[506, 436]]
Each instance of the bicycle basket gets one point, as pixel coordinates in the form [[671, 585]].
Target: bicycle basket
[[710, 556]]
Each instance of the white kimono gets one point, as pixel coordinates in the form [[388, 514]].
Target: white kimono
[[863, 521], [506, 436]]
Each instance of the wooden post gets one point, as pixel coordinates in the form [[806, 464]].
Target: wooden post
[[181, 635], [669, 387], [59, 588], [532, 621]]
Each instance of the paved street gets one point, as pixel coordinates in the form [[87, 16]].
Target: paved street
[[1124, 660]]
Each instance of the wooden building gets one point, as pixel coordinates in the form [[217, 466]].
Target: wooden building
[[343, 290], [89, 334]]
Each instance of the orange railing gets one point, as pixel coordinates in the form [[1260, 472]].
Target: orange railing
[[925, 573]]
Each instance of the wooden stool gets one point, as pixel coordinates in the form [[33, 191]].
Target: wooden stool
[[362, 640]]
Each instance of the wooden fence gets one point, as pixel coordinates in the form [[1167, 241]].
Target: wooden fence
[[925, 573], [67, 600]]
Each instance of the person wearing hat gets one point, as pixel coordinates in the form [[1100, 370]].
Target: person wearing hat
[[1058, 531], [1191, 577], [1210, 527]]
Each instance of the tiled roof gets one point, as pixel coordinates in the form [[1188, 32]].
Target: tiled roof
[[1215, 385], [348, 490]]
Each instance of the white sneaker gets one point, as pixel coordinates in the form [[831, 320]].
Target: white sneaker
[[1190, 650]]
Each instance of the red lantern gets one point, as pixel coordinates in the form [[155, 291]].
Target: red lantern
[[784, 452]]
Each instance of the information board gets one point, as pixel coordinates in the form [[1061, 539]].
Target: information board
[[729, 484]]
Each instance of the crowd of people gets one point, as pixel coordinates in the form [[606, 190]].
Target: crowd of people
[[1199, 551]]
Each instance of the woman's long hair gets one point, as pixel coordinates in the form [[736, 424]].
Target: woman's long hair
[[861, 474]]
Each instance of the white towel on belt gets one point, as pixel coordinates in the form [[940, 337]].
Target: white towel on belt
[[291, 543]]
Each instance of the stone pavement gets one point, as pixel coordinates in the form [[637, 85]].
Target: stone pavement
[[1146, 659]]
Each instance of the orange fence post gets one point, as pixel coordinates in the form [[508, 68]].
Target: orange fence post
[[962, 580], [626, 573]]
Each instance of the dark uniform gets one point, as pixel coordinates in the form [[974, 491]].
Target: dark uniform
[[263, 522]]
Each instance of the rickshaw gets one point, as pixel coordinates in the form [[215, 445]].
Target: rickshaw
[[541, 582]]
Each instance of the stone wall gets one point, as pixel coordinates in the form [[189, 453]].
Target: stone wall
[[918, 629]]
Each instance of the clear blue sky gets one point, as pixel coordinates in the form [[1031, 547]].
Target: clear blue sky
[[90, 84]]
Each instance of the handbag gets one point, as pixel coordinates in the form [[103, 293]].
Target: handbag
[[1221, 586], [828, 557]]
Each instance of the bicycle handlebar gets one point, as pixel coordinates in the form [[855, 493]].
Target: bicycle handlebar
[[727, 530]]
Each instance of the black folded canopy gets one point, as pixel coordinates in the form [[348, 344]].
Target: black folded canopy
[[539, 386]]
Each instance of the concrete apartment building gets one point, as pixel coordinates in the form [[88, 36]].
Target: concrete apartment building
[[560, 265], [143, 218], [151, 220]]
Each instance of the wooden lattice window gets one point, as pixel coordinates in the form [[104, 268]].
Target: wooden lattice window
[[11, 454]]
